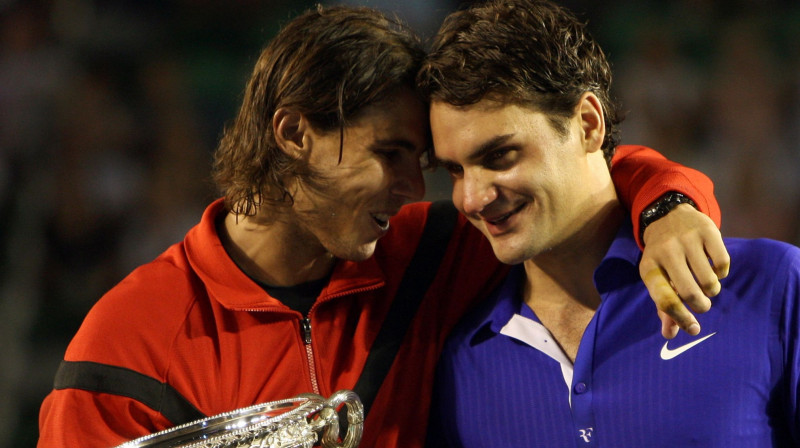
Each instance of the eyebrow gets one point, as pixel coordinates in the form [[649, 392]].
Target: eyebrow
[[486, 147], [396, 142]]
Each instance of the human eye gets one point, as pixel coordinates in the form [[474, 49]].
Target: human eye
[[499, 158], [389, 154], [454, 169]]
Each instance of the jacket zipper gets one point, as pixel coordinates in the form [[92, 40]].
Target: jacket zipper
[[305, 333], [305, 330]]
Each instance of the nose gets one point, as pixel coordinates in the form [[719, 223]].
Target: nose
[[409, 182], [473, 192]]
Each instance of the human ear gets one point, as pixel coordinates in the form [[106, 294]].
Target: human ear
[[593, 125], [291, 131]]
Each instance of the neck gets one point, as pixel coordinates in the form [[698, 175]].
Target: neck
[[565, 274], [274, 252]]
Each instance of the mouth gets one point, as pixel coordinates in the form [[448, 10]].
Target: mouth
[[382, 219], [501, 219]]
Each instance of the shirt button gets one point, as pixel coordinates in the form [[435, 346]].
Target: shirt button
[[580, 388]]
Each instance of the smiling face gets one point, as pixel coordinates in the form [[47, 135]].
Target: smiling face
[[348, 208], [526, 186]]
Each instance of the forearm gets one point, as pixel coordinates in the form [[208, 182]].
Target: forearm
[[641, 176]]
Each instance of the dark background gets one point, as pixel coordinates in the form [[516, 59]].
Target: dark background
[[110, 109]]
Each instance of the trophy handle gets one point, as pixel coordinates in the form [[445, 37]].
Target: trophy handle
[[328, 420]]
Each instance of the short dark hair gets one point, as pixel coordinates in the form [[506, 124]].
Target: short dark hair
[[328, 64], [529, 52]]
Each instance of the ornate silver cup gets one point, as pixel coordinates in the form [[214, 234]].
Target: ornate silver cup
[[304, 421]]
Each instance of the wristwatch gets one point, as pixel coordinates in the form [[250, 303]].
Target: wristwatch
[[660, 208]]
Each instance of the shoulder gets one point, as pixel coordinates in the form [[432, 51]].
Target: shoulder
[[468, 252], [763, 268], [487, 318], [409, 224], [414, 217], [143, 313], [762, 255], [475, 326], [166, 283]]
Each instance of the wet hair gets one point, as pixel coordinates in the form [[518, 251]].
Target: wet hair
[[527, 52], [328, 64]]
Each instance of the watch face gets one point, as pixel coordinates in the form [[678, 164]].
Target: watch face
[[664, 205], [649, 213]]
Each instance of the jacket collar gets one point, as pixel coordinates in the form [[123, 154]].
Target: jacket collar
[[233, 289]]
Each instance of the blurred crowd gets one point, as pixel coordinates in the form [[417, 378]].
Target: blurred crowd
[[110, 110]]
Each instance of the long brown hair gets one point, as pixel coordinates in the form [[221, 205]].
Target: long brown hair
[[328, 64]]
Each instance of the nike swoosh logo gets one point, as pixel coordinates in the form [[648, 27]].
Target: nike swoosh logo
[[667, 354]]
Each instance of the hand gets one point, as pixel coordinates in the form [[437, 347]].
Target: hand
[[684, 258]]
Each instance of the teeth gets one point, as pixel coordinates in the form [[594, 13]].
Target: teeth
[[502, 218]]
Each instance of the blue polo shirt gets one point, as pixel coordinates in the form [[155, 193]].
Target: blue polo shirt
[[504, 382]]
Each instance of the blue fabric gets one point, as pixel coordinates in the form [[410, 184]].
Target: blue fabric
[[737, 388]]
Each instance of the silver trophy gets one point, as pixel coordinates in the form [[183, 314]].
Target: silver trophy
[[305, 421]]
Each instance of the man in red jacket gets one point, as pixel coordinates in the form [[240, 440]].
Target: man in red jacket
[[289, 283]]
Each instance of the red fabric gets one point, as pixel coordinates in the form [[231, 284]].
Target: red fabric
[[642, 175], [193, 320]]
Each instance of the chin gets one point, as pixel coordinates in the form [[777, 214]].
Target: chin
[[358, 253], [506, 256], [512, 255], [505, 251], [509, 259]]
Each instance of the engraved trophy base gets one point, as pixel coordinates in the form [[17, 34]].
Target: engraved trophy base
[[305, 421]]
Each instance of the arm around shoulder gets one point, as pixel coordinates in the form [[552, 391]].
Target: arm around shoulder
[[642, 175], [684, 256]]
